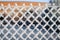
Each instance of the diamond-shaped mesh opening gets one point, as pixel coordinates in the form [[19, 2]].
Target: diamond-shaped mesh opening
[[1, 10], [8, 10]]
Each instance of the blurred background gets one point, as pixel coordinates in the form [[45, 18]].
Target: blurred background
[[28, 0], [57, 2]]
